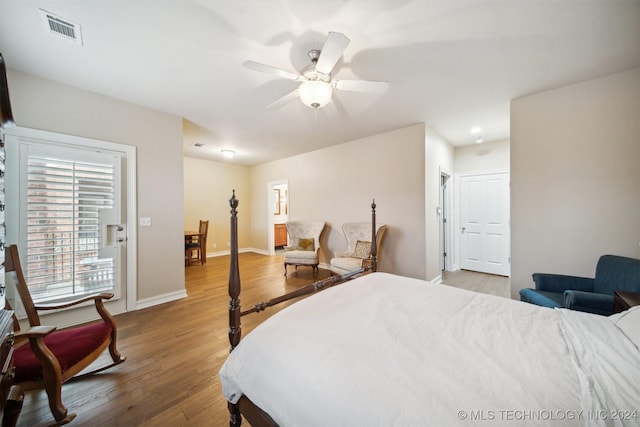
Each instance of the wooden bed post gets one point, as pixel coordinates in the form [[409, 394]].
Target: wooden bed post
[[374, 240], [235, 418], [234, 278], [6, 115]]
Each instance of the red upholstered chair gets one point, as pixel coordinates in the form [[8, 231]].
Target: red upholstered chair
[[54, 357]]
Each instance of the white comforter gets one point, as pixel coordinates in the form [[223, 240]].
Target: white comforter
[[386, 350]]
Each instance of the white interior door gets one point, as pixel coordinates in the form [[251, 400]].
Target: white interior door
[[484, 223]]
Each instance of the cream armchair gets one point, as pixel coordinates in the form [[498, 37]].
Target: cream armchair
[[358, 236], [304, 244]]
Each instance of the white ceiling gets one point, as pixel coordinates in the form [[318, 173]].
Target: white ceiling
[[452, 64]]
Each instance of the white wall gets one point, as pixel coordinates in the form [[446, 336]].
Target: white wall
[[493, 155], [43, 104], [575, 177], [337, 184]]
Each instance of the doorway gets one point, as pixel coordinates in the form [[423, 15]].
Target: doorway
[[72, 210], [278, 214]]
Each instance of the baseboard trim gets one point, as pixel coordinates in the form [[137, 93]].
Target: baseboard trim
[[160, 299], [228, 252]]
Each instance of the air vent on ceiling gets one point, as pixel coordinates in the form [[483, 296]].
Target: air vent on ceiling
[[61, 27], [198, 144]]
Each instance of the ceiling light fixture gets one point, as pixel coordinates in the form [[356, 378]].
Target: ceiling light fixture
[[315, 93], [476, 130], [479, 139], [228, 153]]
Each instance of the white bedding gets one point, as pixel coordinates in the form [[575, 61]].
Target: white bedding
[[385, 350]]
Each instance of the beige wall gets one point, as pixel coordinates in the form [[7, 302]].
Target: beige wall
[[575, 177], [43, 104], [336, 185], [493, 155], [208, 187], [438, 158]]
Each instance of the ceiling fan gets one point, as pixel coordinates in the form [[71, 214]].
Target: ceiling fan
[[316, 83]]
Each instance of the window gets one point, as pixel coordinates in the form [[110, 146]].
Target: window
[[64, 203]]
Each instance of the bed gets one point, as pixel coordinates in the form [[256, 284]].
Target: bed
[[381, 350]]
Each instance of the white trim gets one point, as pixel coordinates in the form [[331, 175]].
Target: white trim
[[161, 299], [450, 260], [270, 212], [240, 251], [437, 280]]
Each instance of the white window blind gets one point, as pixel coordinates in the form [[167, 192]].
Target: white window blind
[[64, 199]]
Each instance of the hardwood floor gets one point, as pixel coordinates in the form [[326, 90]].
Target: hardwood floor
[[175, 350]]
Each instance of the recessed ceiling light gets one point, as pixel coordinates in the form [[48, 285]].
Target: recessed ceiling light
[[228, 153], [479, 140], [476, 130]]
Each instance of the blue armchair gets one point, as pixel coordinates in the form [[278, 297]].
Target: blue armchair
[[584, 294]]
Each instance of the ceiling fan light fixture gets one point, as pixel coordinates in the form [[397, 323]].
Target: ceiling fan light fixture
[[315, 93]]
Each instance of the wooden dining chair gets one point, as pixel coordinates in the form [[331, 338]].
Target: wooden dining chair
[[197, 244], [54, 357]]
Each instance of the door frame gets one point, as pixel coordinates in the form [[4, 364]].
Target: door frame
[[270, 211], [130, 262], [458, 215], [446, 220]]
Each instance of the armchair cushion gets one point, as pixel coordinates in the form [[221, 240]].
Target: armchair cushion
[[69, 346], [362, 249], [345, 264], [306, 244], [590, 302], [542, 298], [559, 282]]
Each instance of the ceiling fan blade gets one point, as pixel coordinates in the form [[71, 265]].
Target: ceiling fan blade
[[257, 66], [361, 86], [334, 46], [283, 101]]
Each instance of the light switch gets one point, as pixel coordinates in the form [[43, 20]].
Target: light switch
[[145, 221]]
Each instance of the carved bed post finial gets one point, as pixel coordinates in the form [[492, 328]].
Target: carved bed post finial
[[234, 277], [374, 242]]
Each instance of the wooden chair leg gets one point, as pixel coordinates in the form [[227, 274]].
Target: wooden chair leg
[[52, 381]]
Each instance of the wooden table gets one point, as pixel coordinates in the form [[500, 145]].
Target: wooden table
[[624, 300]]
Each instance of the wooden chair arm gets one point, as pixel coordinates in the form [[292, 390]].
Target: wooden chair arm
[[34, 332], [94, 297]]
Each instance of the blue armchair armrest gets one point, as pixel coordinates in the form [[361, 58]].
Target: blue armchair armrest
[[589, 302], [559, 283]]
